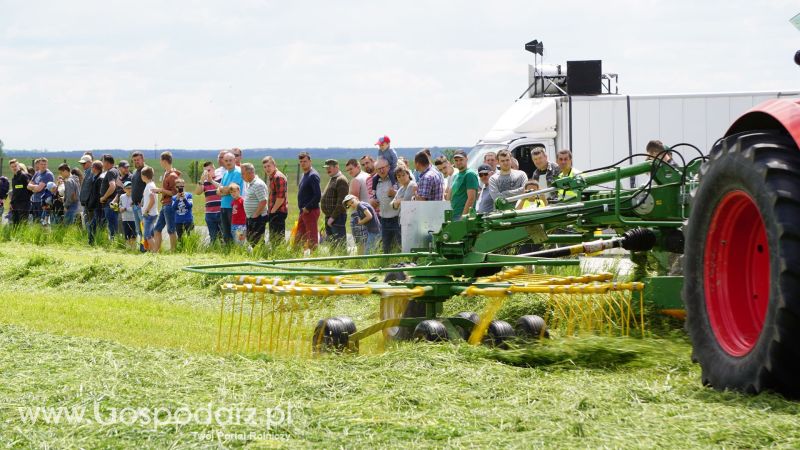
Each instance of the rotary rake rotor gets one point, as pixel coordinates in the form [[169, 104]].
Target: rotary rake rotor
[[277, 307]]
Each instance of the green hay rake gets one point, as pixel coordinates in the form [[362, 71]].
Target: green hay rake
[[470, 257]]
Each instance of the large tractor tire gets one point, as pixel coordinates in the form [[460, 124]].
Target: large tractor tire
[[742, 265]]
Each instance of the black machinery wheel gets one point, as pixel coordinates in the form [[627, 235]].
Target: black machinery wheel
[[430, 330], [349, 325], [330, 335], [531, 327], [498, 334], [350, 329], [742, 265]]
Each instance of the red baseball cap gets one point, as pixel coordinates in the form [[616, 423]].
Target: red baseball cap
[[383, 140]]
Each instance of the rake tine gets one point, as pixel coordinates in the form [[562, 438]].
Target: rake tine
[[250, 324], [233, 312], [221, 313], [271, 323], [289, 328], [280, 321], [261, 320], [239, 325]]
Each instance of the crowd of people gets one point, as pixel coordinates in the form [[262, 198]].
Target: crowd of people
[[243, 209]]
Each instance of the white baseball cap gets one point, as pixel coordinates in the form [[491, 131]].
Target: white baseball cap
[[348, 198]]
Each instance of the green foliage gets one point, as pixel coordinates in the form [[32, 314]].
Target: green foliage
[[448, 153]]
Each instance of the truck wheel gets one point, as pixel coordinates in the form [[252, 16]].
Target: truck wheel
[[742, 265]]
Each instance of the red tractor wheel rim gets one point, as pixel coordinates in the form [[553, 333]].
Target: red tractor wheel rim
[[736, 278]]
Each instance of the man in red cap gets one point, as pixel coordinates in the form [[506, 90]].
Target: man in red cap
[[387, 153]]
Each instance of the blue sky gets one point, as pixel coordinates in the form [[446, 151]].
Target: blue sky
[[213, 74]]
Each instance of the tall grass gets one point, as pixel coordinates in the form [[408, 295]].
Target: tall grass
[[75, 236]]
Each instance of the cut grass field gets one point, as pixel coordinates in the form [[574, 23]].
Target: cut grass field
[[81, 327]]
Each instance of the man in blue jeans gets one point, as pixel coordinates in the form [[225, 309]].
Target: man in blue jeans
[[167, 214], [71, 188], [108, 192], [37, 186], [232, 174], [137, 191], [209, 190]]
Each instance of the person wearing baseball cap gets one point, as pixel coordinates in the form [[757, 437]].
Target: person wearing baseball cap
[[485, 203], [386, 152], [86, 185], [364, 222], [464, 187], [124, 175], [125, 203], [331, 203]]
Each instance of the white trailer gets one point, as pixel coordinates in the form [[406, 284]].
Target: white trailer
[[603, 129]]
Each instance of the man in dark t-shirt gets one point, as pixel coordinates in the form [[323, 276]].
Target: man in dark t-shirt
[[108, 192], [137, 192]]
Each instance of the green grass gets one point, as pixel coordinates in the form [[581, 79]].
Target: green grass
[[80, 326]]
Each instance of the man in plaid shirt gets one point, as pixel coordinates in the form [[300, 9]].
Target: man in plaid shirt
[[430, 186], [276, 205], [331, 203]]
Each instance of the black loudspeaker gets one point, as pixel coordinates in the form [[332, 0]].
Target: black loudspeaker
[[584, 77]]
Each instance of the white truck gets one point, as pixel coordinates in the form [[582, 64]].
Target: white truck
[[602, 129]]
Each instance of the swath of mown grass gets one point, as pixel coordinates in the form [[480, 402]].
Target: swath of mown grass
[[143, 300], [420, 396], [584, 392], [589, 352], [135, 321]]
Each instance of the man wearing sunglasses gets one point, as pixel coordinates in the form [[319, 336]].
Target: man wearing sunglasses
[[485, 203]]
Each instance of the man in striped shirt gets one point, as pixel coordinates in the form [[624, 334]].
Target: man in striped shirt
[[209, 189], [255, 204]]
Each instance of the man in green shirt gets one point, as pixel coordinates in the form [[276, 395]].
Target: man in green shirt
[[464, 190]]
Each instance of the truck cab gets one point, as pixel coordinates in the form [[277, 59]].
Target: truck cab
[[529, 123]]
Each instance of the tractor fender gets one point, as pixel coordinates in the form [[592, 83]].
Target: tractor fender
[[776, 114]]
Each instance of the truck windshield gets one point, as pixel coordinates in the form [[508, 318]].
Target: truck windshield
[[475, 156]]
